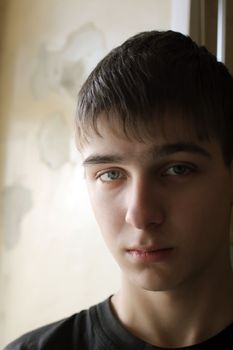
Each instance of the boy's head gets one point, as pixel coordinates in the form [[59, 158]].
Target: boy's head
[[154, 126], [156, 74]]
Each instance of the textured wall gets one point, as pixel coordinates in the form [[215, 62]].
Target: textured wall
[[53, 259]]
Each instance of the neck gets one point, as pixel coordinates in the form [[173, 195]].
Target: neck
[[181, 317]]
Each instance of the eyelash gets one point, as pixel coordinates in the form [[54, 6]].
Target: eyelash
[[99, 176], [188, 169]]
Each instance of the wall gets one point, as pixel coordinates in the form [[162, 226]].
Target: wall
[[203, 26], [2, 155], [203, 29], [54, 262]]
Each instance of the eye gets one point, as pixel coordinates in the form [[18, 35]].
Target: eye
[[179, 169], [111, 175]]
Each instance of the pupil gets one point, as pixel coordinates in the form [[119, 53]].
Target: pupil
[[112, 174], [179, 169]]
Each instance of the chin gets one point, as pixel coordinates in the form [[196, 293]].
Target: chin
[[154, 283], [152, 287]]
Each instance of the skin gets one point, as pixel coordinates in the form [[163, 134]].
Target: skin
[[164, 212]]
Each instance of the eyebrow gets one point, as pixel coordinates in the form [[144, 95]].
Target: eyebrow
[[156, 151]]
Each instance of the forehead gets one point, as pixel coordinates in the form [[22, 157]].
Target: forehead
[[110, 130], [162, 138]]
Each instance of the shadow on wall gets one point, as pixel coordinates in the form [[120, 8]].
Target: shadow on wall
[[55, 72], [62, 70], [14, 200], [3, 105]]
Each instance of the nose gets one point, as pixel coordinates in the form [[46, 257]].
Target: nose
[[144, 205]]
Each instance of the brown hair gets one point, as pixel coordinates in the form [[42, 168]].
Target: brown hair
[[154, 74]]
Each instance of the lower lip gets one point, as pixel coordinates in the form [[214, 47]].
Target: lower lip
[[150, 256]]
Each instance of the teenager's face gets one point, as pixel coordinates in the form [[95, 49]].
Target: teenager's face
[[163, 206]]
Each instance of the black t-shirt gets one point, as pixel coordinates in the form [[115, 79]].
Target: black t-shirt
[[98, 329]]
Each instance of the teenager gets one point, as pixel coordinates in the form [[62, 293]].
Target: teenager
[[154, 128]]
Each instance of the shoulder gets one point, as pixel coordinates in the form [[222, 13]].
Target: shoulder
[[73, 332]]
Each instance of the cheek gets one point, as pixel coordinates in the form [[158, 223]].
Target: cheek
[[108, 211], [203, 215]]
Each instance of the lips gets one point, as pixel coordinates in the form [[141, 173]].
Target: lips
[[150, 253], [145, 249]]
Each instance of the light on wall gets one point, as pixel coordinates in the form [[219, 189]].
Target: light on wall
[[221, 31]]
